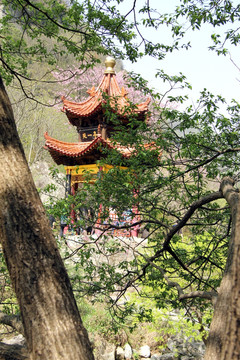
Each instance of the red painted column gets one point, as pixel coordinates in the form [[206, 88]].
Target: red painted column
[[135, 229], [73, 212], [98, 224]]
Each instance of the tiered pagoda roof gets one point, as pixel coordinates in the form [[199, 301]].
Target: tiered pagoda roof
[[88, 117], [96, 101], [80, 153]]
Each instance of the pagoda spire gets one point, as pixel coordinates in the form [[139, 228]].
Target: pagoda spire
[[110, 63]]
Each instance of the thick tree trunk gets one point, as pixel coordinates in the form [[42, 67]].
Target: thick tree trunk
[[224, 337], [52, 324]]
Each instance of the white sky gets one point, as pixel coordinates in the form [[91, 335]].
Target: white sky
[[202, 67]]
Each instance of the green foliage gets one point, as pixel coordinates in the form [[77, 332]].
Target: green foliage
[[98, 320], [47, 31], [8, 301], [173, 183], [188, 324], [36, 23]]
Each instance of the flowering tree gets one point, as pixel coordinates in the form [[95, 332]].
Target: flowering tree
[[74, 83]]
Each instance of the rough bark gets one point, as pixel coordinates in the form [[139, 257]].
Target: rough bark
[[52, 324], [223, 341], [13, 352]]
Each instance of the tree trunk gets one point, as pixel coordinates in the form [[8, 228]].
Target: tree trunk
[[13, 352], [52, 324], [224, 337]]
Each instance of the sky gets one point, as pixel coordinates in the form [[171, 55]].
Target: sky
[[202, 67]]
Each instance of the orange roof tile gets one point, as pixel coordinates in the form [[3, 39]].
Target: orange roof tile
[[94, 102], [63, 152]]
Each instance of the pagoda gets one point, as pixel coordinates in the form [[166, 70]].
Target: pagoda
[[93, 128]]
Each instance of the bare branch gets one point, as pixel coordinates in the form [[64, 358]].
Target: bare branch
[[209, 295]]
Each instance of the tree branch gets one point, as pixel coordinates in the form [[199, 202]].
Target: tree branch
[[195, 205], [207, 161], [229, 193], [13, 352], [55, 22], [209, 295], [12, 320]]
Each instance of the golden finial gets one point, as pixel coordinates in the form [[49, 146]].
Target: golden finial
[[110, 63]]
